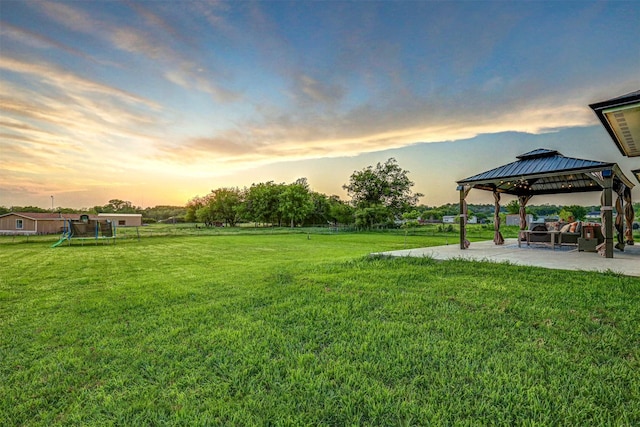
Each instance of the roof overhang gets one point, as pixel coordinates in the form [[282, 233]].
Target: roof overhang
[[621, 119]]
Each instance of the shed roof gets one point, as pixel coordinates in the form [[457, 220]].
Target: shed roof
[[544, 171]]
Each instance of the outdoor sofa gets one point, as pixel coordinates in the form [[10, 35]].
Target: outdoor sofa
[[566, 233]]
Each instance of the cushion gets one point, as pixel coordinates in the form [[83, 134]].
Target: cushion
[[572, 227], [565, 228]]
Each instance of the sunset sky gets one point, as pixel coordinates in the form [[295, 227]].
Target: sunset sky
[[156, 102]]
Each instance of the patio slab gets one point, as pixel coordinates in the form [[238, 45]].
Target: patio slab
[[562, 258]]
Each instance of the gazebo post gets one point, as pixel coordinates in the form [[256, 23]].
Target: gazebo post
[[607, 207], [463, 231], [629, 214]]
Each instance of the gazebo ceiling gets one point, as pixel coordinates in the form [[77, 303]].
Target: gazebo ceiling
[[545, 171], [621, 118]]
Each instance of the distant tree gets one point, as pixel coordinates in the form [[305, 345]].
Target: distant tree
[[262, 203], [224, 204], [4, 210], [411, 218], [33, 209], [117, 206], [543, 210], [387, 185], [340, 212], [295, 202], [163, 212], [372, 216], [320, 213], [192, 208], [578, 213], [205, 215], [513, 207], [221, 205]]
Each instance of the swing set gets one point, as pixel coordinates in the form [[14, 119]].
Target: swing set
[[86, 229]]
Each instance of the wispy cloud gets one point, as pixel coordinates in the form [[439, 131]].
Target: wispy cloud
[[69, 16], [366, 130], [36, 40]]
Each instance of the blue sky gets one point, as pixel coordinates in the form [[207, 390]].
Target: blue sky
[[156, 102]]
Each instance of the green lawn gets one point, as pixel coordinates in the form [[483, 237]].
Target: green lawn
[[306, 329]]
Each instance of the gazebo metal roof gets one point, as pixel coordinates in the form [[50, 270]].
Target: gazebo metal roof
[[544, 171]]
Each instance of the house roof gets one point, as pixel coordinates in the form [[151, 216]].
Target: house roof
[[47, 216], [620, 117], [544, 171]]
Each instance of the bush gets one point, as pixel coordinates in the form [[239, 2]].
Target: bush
[[445, 228]]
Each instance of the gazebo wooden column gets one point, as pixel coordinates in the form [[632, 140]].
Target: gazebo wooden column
[[629, 214], [523, 200], [607, 212], [464, 190], [497, 235]]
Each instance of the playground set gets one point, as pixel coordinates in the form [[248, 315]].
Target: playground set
[[87, 229]]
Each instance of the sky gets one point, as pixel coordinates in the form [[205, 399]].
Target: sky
[[156, 102]]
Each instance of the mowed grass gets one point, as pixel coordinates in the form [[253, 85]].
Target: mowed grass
[[308, 330]]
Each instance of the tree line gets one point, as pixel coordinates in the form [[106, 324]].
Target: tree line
[[379, 195]]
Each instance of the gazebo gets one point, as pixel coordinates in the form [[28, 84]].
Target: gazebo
[[543, 172]]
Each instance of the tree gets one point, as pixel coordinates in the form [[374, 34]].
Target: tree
[[221, 205], [368, 217], [262, 201], [295, 202], [579, 213], [224, 204], [387, 185], [192, 207], [513, 207], [117, 206], [340, 212], [320, 213], [163, 212], [204, 214]]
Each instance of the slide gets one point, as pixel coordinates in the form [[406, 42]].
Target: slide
[[64, 237], [59, 242]]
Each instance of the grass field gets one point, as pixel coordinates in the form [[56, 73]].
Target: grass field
[[306, 329]]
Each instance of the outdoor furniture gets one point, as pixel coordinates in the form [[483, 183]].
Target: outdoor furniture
[[582, 236], [538, 233], [587, 245], [570, 233]]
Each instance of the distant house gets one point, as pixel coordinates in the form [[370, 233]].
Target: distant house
[[53, 223], [451, 219], [122, 220], [34, 222], [514, 219], [593, 216]]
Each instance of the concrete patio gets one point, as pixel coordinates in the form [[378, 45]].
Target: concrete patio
[[562, 258]]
